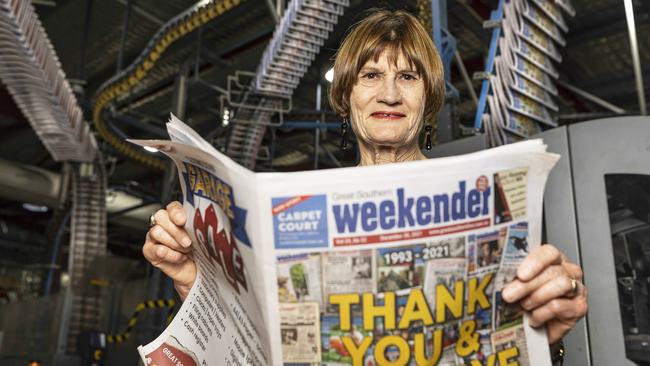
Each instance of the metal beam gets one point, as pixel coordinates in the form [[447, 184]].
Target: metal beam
[[279, 7], [466, 78], [601, 102], [125, 28], [44, 2], [81, 70], [273, 11], [143, 13]]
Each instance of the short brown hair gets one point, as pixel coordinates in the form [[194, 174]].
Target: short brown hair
[[400, 33]]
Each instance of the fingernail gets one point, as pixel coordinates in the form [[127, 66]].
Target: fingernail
[[507, 293], [186, 241], [178, 217]]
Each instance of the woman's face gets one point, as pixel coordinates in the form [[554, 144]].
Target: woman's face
[[387, 102]]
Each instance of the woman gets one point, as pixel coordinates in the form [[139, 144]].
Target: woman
[[388, 82]]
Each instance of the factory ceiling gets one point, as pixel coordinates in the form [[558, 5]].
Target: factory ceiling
[[88, 38]]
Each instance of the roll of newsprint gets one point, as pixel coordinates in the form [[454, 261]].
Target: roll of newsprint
[[398, 264]]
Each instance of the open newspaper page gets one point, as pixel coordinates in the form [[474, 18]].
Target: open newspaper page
[[399, 264], [221, 321], [412, 256]]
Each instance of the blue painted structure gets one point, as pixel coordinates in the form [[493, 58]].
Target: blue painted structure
[[495, 16]]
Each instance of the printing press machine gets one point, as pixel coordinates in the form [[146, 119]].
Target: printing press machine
[[597, 211]]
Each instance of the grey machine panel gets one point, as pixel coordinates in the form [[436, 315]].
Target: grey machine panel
[[561, 229], [607, 146]]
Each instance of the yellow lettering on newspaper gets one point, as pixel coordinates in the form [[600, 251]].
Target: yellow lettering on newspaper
[[385, 311], [477, 294], [506, 357], [345, 302], [468, 341], [416, 309], [356, 351], [445, 300], [388, 341], [421, 350]]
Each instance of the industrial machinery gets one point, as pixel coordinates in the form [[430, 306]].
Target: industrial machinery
[[596, 212]]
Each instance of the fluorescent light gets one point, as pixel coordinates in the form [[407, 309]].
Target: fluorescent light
[[151, 149], [329, 75], [34, 208], [636, 63]]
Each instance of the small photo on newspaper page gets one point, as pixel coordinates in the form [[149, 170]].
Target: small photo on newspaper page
[[300, 332], [489, 248], [400, 268], [515, 251], [299, 278], [347, 272], [510, 195], [334, 351]]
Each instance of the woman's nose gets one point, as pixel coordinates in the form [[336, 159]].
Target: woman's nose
[[388, 92]]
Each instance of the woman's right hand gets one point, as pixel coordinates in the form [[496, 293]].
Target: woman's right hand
[[167, 247]]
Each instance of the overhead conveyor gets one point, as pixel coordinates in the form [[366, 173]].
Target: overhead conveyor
[[121, 84], [304, 28], [33, 76], [518, 93]]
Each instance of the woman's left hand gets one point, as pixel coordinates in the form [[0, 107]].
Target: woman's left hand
[[550, 287]]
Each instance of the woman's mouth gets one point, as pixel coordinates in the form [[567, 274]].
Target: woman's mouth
[[387, 115]]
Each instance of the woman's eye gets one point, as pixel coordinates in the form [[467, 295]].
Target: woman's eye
[[371, 75], [408, 77]]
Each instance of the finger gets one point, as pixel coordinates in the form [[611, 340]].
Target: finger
[[158, 235], [161, 256], [573, 270], [556, 287], [176, 232], [518, 289], [538, 259], [176, 213], [567, 310]]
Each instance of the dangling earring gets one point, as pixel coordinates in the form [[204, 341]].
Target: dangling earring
[[344, 134], [428, 129]]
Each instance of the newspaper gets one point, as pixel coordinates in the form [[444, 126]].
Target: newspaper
[[399, 264]]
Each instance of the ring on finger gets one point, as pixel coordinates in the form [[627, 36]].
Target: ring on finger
[[575, 287], [152, 220]]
